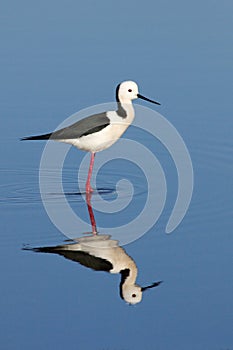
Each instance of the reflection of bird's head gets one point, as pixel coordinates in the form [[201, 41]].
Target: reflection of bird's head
[[132, 294]]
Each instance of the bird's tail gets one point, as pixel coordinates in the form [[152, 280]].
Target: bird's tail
[[38, 137], [41, 249], [53, 249]]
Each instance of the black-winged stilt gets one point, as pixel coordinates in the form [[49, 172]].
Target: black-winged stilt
[[101, 253], [98, 132]]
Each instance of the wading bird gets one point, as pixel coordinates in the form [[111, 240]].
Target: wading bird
[[99, 131]]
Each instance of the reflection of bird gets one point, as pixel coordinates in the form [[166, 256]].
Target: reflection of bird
[[101, 253], [98, 132]]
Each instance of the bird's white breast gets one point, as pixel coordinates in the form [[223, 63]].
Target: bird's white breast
[[107, 136]]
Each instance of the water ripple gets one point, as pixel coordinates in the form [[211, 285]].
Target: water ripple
[[21, 186]]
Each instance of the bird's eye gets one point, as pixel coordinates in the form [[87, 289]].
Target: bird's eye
[[130, 90], [133, 295]]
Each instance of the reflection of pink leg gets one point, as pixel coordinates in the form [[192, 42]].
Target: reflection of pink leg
[[88, 183], [91, 214]]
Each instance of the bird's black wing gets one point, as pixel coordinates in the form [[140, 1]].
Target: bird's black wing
[[83, 258], [81, 128]]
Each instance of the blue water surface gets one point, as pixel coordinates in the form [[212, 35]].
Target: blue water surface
[[60, 57]]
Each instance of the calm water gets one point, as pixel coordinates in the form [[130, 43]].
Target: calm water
[[180, 56]]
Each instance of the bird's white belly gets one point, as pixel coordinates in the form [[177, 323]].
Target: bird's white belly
[[100, 140]]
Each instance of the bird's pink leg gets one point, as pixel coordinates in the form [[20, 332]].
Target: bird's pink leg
[[91, 214], [89, 189]]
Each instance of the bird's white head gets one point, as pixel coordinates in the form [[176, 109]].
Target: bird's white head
[[132, 294], [128, 91]]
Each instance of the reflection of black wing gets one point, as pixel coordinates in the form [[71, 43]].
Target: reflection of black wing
[[81, 128], [81, 257]]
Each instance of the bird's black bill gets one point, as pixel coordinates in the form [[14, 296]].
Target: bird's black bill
[[147, 99], [156, 284]]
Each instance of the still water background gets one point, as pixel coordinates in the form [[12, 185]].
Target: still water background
[[60, 57]]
